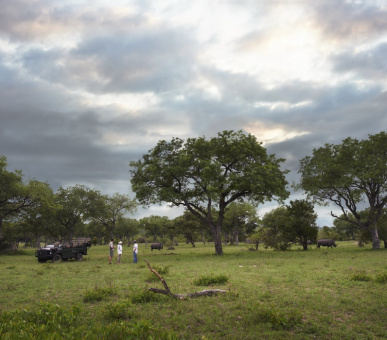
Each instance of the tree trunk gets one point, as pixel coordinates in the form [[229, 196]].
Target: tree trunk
[[375, 238], [216, 233], [385, 243]]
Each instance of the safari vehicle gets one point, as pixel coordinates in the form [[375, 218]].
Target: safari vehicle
[[62, 252]]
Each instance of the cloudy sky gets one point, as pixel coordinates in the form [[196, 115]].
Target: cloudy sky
[[88, 86]]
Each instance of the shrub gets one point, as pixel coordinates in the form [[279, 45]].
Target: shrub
[[120, 310], [53, 322], [45, 319], [99, 293], [145, 296], [381, 278], [212, 279], [360, 276], [162, 270], [278, 319]]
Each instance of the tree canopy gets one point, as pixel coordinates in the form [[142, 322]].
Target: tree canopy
[[16, 196], [206, 175], [352, 175]]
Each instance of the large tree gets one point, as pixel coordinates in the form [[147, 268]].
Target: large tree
[[206, 175], [352, 175], [17, 196], [71, 209]]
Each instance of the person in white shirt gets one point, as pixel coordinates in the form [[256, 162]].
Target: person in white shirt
[[111, 251], [119, 252], [135, 251]]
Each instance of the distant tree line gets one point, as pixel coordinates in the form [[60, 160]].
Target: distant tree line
[[220, 181]]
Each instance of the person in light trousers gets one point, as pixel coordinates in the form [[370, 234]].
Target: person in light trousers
[[135, 251]]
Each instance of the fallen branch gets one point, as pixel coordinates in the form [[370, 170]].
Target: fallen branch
[[167, 291]]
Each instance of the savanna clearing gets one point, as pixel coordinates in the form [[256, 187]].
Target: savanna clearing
[[334, 293]]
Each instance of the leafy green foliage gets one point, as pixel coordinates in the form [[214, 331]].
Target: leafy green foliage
[[55, 322], [276, 317], [145, 296], [381, 278], [350, 174], [212, 279], [206, 175], [120, 310], [360, 275], [99, 293], [46, 319]]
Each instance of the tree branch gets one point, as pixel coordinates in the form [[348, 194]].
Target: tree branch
[[167, 291]]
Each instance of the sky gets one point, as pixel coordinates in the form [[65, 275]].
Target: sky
[[86, 87]]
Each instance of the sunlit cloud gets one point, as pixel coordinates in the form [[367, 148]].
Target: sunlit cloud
[[273, 134]]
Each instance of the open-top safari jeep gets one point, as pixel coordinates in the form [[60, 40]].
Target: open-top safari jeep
[[68, 250]]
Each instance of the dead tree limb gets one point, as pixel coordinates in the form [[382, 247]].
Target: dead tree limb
[[167, 291]]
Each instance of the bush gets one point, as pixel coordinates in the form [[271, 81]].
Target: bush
[[99, 293], [212, 279], [54, 322], [120, 310], [46, 319], [381, 278], [278, 319], [145, 296], [360, 276]]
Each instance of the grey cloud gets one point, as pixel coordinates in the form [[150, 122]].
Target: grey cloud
[[352, 21], [155, 61], [38, 20], [147, 61], [369, 64]]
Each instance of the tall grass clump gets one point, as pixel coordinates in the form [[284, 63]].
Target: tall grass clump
[[121, 310], [99, 293], [277, 318], [145, 296], [162, 270], [381, 278], [46, 319], [360, 275], [211, 280]]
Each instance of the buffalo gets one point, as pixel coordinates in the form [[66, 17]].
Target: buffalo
[[326, 243], [156, 246]]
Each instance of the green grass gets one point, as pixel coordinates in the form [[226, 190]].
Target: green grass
[[338, 293]]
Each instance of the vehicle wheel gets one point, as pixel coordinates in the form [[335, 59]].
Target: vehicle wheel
[[41, 260], [57, 258], [79, 257]]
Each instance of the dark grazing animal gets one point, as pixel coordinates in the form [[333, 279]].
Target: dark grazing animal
[[156, 246], [326, 243]]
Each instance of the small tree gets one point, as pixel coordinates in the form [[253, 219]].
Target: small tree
[[276, 233], [154, 226], [106, 209], [237, 218], [190, 226], [382, 227], [302, 222]]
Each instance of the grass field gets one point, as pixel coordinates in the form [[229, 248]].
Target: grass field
[[338, 293]]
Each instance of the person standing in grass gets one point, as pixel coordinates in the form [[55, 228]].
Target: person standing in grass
[[111, 251], [119, 252], [135, 251]]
